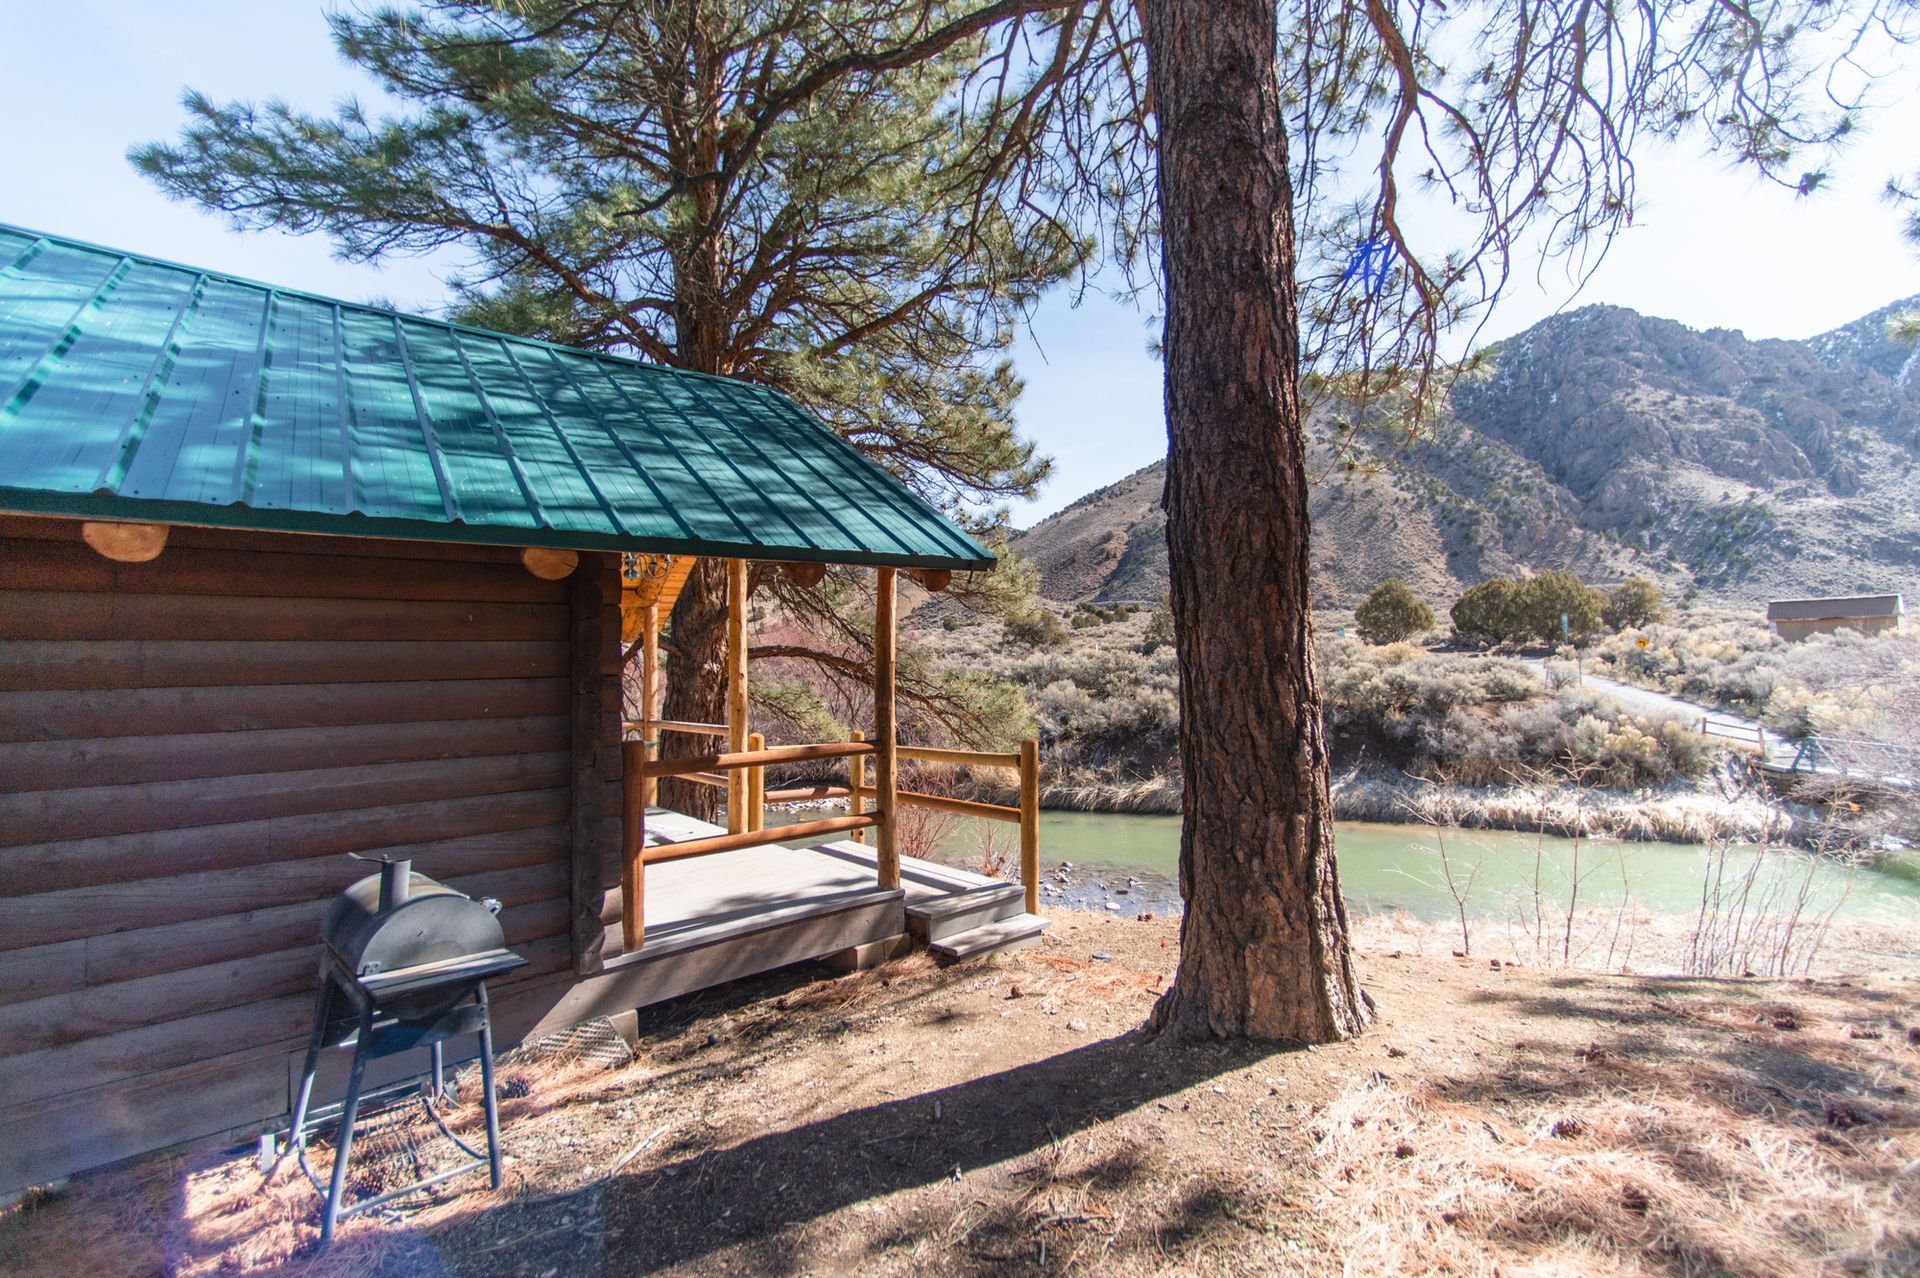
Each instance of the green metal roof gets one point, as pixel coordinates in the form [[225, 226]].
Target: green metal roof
[[137, 389]]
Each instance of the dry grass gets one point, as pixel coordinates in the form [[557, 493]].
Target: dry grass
[[1673, 814], [1673, 1165], [1009, 1117], [212, 1213], [1623, 942]]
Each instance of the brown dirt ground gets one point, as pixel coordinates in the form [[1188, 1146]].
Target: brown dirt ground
[[1010, 1117]]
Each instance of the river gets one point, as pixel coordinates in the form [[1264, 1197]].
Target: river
[[1389, 867]]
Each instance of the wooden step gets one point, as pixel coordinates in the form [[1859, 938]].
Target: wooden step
[[1014, 933], [937, 918]]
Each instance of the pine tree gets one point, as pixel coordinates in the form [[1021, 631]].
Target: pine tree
[[801, 194], [1392, 613], [1281, 137]]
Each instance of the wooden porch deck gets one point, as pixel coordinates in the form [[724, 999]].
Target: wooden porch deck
[[726, 915], [723, 917]]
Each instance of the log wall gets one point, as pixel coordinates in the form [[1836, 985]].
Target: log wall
[[189, 749]]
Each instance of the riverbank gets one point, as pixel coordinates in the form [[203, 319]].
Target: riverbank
[[1555, 935], [1598, 905], [1678, 812], [1419, 734], [1414, 735]]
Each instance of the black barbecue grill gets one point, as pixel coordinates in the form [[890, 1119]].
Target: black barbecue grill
[[404, 965]]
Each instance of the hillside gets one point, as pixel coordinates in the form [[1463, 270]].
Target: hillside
[[1603, 441]]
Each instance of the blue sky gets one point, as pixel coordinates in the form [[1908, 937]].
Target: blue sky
[[87, 78]]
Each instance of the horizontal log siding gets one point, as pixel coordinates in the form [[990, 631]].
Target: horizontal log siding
[[188, 750]]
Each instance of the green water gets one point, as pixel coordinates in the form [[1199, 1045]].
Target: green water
[[1383, 867]]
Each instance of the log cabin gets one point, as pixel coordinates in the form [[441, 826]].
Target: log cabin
[[285, 578]]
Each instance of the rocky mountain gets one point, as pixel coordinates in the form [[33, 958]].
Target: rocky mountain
[[1604, 441]]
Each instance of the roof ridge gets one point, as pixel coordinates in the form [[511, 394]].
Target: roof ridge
[[371, 308]]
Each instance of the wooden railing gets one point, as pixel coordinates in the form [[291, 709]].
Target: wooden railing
[[676, 725], [1025, 762], [643, 772]]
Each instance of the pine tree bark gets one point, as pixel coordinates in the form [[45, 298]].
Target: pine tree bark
[[696, 651], [1264, 948]]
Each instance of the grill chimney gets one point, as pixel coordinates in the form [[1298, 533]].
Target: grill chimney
[[396, 884]]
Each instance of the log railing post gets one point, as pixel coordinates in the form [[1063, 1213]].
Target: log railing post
[[633, 843], [1030, 822], [857, 785], [886, 773], [650, 694], [756, 786], [736, 690]]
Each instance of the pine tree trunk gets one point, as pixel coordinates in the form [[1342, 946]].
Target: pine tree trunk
[[696, 651], [1264, 950]]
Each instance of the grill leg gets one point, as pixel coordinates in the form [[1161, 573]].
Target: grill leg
[[486, 1085], [323, 1009], [343, 1142]]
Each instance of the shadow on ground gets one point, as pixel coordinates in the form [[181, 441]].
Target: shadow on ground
[[751, 1196], [708, 1192]]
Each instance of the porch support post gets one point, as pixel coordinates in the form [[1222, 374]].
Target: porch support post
[[886, 775], [1030, 822], [633, 846], [736, 691], [650, 696]]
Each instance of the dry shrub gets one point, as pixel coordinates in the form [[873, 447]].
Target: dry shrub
[[994, 861], [922, 832], [1663, 943], [1475, 721], [1106, 712], [1829, 683], [1685, 1167]]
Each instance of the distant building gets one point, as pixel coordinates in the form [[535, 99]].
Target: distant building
[[1796, 619]]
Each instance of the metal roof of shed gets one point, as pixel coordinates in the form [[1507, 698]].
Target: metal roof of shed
[[137, 389], [1835, 608]]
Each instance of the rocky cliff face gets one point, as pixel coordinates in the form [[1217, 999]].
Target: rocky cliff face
[[1607, 442]]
